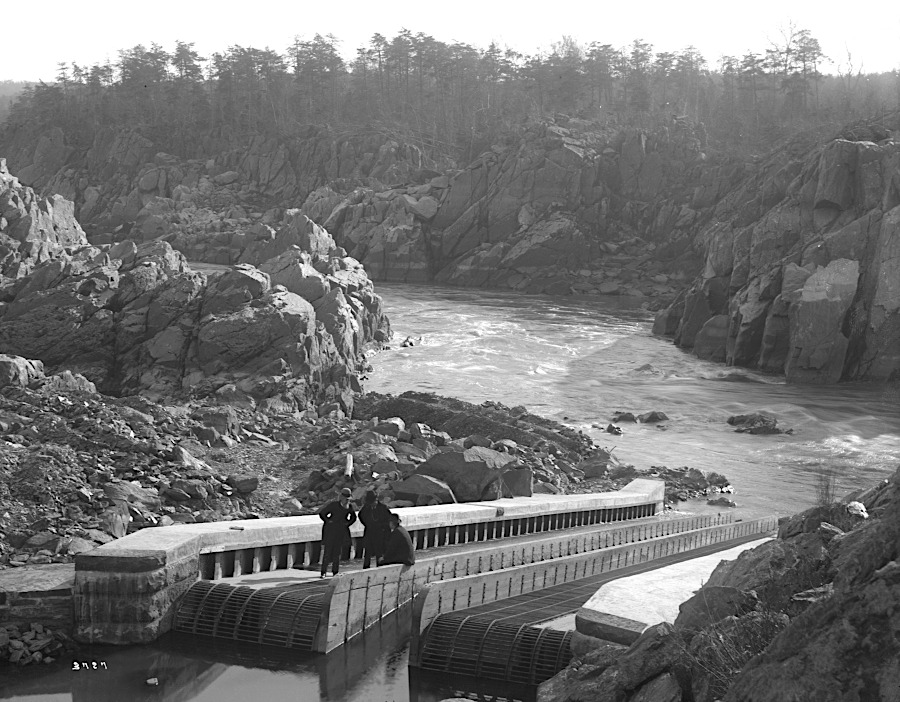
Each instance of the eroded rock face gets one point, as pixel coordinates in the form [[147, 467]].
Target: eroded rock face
[[133, 317], [33, 230], [803, 259]]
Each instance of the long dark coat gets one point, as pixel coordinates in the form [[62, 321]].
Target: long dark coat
[[375, 519], [337, 518]]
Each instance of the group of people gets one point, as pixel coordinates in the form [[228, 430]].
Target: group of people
[[384, 540]]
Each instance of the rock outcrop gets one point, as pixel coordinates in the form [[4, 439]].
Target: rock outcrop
[[134, 317], [801, 273], [812, 614], [33, 229]]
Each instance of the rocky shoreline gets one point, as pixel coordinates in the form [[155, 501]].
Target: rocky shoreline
[[812, 614], [80, 468]]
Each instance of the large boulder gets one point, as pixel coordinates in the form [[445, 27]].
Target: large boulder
[[518, 482], [18, 371], [423, 489], [472, 474], [657, 650]]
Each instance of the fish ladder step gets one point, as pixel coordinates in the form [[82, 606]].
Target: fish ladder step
[[495, 650], [271, 616]]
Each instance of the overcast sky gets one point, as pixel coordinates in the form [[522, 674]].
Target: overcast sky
[[90, 31]]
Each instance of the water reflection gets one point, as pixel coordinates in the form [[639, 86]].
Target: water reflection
[[190, 669]]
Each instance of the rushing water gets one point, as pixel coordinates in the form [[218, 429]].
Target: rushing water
[[575, 361], [578, 361]]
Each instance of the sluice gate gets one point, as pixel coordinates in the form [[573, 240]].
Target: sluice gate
[[481, 648], [285, 617]]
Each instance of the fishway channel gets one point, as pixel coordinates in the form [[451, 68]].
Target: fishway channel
[[501, 639]]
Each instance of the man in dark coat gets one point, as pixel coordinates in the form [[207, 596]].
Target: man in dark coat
[[374, 516], [338, 516], [399, 548]]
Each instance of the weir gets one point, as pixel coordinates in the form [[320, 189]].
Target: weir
[[128, 591]]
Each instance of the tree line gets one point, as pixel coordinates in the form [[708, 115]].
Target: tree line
[[454, 97]]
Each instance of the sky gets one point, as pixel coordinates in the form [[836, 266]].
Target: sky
[[92, 31]]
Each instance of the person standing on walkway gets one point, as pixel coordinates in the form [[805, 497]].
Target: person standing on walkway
[[374, 516], [399, 548], [338, 516]]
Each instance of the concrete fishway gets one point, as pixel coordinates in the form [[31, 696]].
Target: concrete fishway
[[489, 626], [299, 610]]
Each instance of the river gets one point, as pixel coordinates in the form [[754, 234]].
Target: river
[[580, 360], [576, 361]]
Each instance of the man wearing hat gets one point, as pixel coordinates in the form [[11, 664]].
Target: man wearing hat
[[375, 517], [338, 516], [399, 548]]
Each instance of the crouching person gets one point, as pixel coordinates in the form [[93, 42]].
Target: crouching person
[[399, 548]]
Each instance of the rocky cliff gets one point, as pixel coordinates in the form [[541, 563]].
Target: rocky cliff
[[797, 254], [802, 267], [135, 317], [811, 615], [560, 206]]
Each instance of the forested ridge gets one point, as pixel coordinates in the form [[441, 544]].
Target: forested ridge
[[453, 97]]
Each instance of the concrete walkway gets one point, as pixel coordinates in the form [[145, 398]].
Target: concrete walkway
[[309, 575], [654, 596]]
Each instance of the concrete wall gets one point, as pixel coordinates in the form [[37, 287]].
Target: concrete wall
[[125, 591], [453, 595]]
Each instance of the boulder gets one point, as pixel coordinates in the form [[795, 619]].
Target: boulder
[[125, 492], [390, 427], [244, 484], [712, 603], [77, 545], [294, 270], [18, 371], [419, 486], [67, 382], [469, 473], [654, 653], [184, 457], [755, 423], [518, 482], [43, 540], [777, 570], [652, 417], [194, 488]]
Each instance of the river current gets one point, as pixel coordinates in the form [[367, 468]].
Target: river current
[[573, 360], [580, 360]]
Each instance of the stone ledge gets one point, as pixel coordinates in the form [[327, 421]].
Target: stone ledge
[[608, 627], [38, 594]]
